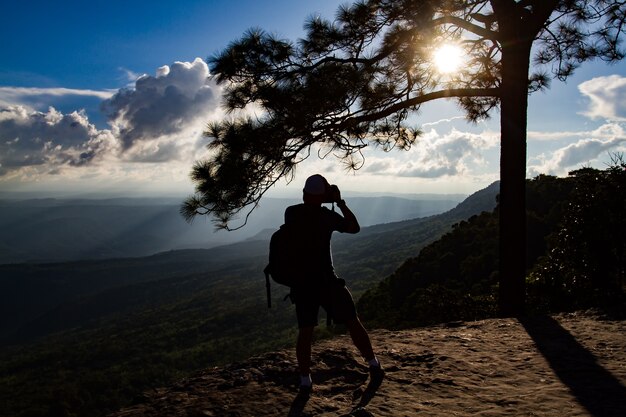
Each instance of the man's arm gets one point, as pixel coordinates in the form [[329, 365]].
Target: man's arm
[[351, 224]]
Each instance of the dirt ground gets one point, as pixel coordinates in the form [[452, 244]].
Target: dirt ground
[[566, 365]]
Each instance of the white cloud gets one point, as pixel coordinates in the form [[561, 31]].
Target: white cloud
[[607, 131], [157, 121], [607, 97], [49, 140], [607, 102], [24, 95], [130, 76], [431, 170], [177, 99], [156, 124], [610, 137], [443, 121], [435, 155]]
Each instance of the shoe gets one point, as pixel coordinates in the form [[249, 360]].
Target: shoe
[[306, 384], [377, 374], [305, 390]]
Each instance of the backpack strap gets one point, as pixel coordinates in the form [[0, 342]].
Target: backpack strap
[[267, 286]]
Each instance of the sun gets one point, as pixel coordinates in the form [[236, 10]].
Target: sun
[[448, 58]]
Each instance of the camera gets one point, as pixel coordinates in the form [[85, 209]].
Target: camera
[[332, 194]]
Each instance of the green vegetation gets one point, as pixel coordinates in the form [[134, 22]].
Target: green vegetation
[[575, 257], [105, 364], [586, 263]]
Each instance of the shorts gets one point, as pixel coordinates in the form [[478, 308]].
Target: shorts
[[334, 298]]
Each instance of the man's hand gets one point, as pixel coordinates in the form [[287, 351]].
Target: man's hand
[[335, 193]]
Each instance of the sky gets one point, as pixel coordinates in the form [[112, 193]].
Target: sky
[[109, 98]]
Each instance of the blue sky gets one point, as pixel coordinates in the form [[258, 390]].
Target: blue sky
[[79, 116]]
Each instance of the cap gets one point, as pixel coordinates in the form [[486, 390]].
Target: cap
[[315, 185]]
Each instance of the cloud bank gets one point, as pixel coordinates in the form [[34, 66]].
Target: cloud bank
[[158, 120], [155, 124], [437, 155], [49, 139], [608, 138]]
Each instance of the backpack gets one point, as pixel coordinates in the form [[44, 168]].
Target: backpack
[[284, 259]]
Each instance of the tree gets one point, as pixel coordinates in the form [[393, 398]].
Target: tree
[[585, 265], [356, 80]]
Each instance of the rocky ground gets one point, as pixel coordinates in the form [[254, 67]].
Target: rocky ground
[[566, 365]]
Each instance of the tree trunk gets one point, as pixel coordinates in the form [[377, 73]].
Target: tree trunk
[[513, 121]]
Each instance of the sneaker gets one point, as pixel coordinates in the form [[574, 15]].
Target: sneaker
[[306, 384], [305, 390], [377, 374]]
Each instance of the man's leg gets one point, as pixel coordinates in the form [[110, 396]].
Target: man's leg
[[360, 338], [343, 308], [303, 349], [306, 313]]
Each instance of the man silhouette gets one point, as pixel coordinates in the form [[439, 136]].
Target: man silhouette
[[318, 284]]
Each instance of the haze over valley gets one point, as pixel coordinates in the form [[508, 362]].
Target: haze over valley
[[56, 230]]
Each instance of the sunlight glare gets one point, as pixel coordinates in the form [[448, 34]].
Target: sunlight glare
[[448, 58]]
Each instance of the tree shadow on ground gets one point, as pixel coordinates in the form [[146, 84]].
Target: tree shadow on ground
[[595, 388]]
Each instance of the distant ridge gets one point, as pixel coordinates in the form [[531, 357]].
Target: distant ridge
[[59, 230], [476, 203], [481, 200]]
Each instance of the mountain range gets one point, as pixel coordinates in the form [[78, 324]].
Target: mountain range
[[58, 230], [39, 298]]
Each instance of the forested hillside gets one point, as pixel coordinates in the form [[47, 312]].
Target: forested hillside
[[575, 257]]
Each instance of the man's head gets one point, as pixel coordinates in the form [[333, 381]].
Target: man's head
[[315, 189]]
